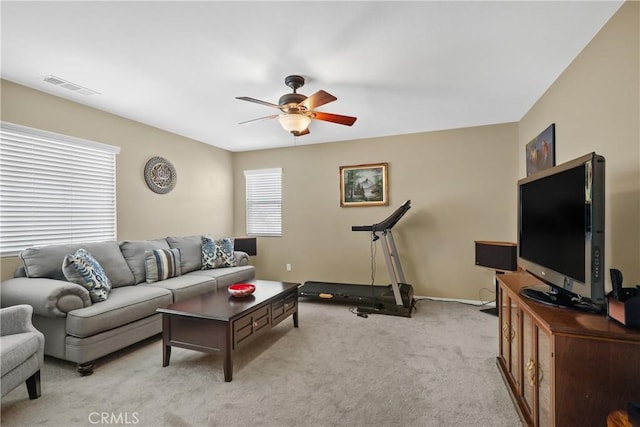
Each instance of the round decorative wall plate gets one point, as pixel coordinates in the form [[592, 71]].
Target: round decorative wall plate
[[160, 175]]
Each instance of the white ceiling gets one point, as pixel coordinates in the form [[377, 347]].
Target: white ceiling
[[400, 67]]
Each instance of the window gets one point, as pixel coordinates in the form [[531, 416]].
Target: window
[[54, 189], [264, 202]]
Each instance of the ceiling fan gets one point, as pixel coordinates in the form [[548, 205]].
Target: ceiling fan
[[297, 110]]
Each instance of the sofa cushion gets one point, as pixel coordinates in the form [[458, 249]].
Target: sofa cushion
[[162, 264], [125, 305], [46, 261], [133, 252], [217, 253], [82, 268], [228, 276], [190, 251], [186, 286]]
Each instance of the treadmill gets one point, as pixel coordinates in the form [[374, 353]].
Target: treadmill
[[395, 299]]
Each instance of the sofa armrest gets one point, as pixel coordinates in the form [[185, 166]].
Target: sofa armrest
[[48, 297], [242, 258], [16, 320]]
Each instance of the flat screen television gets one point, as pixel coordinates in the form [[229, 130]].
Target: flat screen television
[[561, 233]]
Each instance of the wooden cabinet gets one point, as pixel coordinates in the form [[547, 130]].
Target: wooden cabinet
[[563, 367], [509, 322], [536, 370]]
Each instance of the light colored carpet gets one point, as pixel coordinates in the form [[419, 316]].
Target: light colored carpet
[[434, 369]]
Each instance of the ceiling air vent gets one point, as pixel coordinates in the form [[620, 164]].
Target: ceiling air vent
[[57, 81]]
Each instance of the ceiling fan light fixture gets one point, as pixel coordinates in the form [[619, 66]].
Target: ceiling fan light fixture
[[297, 110], [294, 123]]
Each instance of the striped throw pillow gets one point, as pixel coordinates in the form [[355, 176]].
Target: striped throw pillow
[[162, 264]]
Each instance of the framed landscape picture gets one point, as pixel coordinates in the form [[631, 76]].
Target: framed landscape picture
[[364, 185], [541, 151]]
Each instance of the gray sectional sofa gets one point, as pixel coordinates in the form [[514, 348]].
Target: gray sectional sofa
[[81, 331]]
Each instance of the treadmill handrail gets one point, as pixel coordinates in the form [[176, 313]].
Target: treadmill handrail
[[388, 223]]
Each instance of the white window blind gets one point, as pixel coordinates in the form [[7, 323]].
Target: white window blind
[[264, 202], [54, 189]]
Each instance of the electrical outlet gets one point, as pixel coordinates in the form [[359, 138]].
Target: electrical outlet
[[288, 267]]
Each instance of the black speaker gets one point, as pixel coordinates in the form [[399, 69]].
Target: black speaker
[[497, 255], [246, 244]]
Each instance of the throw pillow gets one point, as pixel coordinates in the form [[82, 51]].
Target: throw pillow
[[133, 252], [46, 261], [82, 268], [190, 251], [162, 264], [217, 253]]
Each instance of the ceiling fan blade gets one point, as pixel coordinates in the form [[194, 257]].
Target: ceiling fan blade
[[317, 99], [334, 118], [257, 101], [260, 118]]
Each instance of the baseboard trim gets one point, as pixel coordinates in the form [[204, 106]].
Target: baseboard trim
[[478, 303]]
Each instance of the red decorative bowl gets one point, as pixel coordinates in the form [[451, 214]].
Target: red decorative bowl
[[241, 289]]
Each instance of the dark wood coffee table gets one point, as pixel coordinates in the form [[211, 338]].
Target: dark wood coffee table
[[216, 322]]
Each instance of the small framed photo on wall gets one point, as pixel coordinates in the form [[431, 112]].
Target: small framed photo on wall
[[541, 151], [364, 185]]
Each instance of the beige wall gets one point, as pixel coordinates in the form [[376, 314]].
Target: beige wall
[[462, 188], [462, 182], [201, 201], [595, 105]]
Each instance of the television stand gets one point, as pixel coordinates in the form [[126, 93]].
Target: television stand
[[563, 367], [550, 295]]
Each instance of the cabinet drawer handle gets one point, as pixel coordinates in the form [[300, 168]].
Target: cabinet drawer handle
[[255, 324], [505, 329], [531, 376], [508, 332], [531, 373], [540, 376]]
